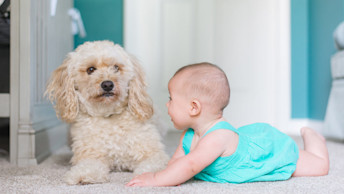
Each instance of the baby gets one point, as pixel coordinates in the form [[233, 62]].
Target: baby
[[211, 149]]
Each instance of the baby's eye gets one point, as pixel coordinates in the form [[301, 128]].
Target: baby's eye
[[169, 98], [90, 70], [116, 68]]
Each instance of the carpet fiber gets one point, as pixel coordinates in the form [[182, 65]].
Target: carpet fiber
[[47, 177]]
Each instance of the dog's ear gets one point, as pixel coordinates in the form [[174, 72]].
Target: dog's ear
[[61, 92], [140, 104]]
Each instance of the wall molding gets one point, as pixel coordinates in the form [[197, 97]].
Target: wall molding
[[293, 126]]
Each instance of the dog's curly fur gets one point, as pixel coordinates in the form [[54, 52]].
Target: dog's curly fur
[[100, 90]]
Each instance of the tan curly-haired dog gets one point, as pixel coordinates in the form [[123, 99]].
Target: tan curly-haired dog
[[100, 90]]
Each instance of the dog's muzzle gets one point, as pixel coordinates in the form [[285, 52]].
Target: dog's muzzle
[[107, 86]]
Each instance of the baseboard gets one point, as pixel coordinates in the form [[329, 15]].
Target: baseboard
[[36, 145], [294, 125], [48, 141]]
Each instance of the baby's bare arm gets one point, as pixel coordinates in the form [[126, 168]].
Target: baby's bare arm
[[179, 151], [185, 167]]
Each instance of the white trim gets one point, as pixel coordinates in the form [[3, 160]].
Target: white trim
[[283, 87], [284, 122], [14, 79], [294, 125]]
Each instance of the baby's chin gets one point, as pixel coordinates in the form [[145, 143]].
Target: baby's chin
[[181, 128]]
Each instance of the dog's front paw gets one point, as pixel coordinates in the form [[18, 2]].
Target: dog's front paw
[[154, 163], [88, 171]]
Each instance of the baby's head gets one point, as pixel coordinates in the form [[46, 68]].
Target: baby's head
[[205, 82]]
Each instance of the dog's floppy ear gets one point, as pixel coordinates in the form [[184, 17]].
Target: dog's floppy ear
[[140, 103], [61, 92]]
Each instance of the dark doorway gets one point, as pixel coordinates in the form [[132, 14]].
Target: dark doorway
[[4, 72]]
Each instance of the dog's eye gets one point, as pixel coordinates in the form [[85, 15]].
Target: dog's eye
[[90, 70], [116, 68]]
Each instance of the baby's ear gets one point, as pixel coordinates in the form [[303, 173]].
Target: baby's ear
[[61, 92], [195, 107]]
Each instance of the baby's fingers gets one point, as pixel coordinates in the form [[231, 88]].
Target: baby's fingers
[[134, 182]]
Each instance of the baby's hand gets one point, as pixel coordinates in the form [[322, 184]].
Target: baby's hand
[[145, 179]]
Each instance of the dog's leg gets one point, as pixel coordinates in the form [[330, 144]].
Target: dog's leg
[[88, 171], [156, 162]]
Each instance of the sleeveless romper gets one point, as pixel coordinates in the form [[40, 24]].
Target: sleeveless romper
[[263, 154]]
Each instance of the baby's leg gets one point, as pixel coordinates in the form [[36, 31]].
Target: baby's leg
[[313, 160]]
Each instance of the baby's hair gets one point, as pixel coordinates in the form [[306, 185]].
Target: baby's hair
[[207, 81]]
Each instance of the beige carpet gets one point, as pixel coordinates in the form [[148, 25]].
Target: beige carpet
[[46, 178]]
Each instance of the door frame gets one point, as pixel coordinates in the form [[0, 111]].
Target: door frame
[[15, 54]]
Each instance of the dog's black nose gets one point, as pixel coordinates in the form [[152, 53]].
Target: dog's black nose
[[107, 86]]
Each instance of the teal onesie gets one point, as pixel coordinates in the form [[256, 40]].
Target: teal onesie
[[263, 154]]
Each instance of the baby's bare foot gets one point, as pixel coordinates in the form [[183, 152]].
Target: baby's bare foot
[[306, 131]]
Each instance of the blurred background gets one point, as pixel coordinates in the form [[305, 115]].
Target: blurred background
[[276, 54]]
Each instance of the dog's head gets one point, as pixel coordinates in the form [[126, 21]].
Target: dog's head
[[100, 79]]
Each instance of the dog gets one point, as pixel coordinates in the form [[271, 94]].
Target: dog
[[101, 91]]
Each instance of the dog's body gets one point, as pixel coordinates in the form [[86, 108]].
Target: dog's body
[[100, 90]]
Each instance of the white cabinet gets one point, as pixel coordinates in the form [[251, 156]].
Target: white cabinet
[[39, 43]]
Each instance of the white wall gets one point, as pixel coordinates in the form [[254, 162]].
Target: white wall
[[249, 39]]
